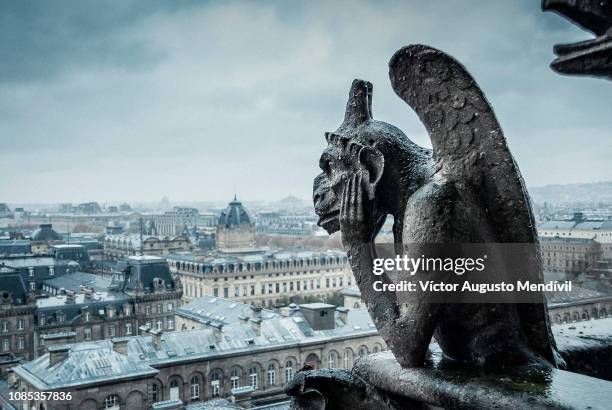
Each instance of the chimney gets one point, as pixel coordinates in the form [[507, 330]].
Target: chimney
[[87, 292], [56, 339], [120, 345], [243, 319], [156, 338], [256, 312], [343, 314], [57, 354], [320, 316], [70, 296], [256, 326], [217, 331]]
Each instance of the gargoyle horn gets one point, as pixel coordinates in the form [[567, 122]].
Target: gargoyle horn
[[359, 105]]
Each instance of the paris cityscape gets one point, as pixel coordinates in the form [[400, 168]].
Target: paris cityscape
[[170, 305], [161, 246]]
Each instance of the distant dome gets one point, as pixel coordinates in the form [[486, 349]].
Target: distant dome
[[45, 233], [234, 214], [235, 229]]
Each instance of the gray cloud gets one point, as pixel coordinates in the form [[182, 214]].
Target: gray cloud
[[134, 100]]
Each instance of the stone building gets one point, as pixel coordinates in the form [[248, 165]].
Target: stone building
[[578, 227], [235, 229], [569, 255], [43, 237], [262, 277], [77, 306], [254, 358], [126, 244], [173, 223], [17, 310]]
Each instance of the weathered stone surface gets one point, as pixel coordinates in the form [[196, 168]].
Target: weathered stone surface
[[590, 57]]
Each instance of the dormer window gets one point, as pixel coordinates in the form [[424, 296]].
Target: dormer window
[[31, 272]]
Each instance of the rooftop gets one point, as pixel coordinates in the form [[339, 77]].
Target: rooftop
[[218, 311], [93, 362]]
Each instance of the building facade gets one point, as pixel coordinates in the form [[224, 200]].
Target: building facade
[[262, 277], [126, 244], [258, 356], [569, 255], [77, 306]]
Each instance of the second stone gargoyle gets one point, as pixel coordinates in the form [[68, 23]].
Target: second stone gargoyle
[[468, 189]]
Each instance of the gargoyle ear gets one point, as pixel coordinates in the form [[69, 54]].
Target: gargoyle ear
[[374, 162]]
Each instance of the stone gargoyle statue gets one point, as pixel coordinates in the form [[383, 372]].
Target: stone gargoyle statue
[[468, 189], [590, 57]]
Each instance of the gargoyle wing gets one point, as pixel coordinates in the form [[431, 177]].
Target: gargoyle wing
[[469, 148]]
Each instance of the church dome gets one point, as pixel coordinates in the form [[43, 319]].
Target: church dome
[[235, 214], [45, 233]]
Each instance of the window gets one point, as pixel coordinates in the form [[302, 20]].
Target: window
[[87, 333], [128, 328], [5, 326], [170, 323], [234, 380], [111, 402], [147, 310], [159, 325], [42, 319], [195, 387], [288, 371], [159, 308], [111, 331], [87, 316], [174, 390], [271, 375], [346, 358], [216, 292], [20, 343], [170, 307], [60, 317], [331, 360], [253, 377], [363, 351], [226, 293], [215, 384], [155, 393]]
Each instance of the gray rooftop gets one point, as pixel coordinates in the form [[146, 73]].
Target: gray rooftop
[[93, 362], [218, 311], [75, 280]]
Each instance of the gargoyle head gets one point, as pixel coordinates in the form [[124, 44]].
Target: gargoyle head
[[590, 57], [375, 149]]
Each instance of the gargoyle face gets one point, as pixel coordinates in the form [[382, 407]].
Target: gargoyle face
[[329, 185], [340, 161], [326, 203]]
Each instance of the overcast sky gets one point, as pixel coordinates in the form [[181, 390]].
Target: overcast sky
[[133, 100]]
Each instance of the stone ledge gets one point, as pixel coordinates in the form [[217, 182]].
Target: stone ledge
[[461, 387]]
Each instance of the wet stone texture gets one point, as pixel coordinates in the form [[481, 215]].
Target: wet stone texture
[[378, 381]]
